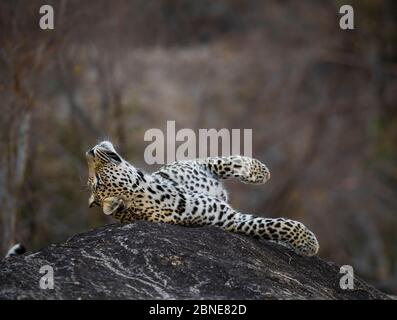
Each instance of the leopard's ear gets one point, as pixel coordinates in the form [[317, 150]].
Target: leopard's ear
[[92, 201], [112, 205]]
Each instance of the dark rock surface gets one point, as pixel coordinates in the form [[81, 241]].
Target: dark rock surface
[[158, 261]]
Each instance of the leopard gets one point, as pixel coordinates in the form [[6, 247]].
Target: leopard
[[189, 193]]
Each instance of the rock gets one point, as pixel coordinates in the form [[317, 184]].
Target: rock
[[146, 260]]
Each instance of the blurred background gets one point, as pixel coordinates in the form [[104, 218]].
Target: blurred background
[[321, 103]]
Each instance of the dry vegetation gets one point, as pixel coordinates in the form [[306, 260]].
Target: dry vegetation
[[321, 103]]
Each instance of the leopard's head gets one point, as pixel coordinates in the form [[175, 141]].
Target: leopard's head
[[102, 160], [103, 154]]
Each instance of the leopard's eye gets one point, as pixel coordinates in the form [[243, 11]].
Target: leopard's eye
[[114, 156]]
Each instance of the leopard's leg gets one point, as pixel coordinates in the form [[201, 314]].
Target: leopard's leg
[[247, 169], [212, 211], [291, 233]]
